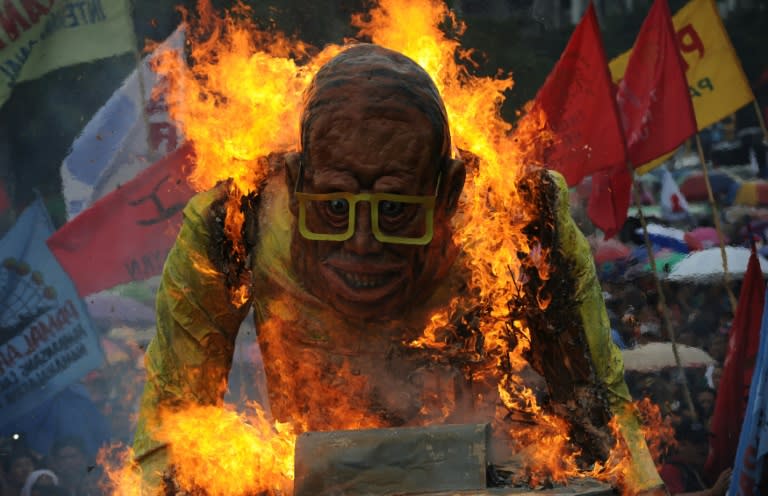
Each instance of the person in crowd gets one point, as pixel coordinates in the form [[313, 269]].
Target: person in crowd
[[705, 404], [17, 466], [69, 460], [682, 470]]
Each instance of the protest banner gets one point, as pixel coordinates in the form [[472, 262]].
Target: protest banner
[[126, 235], [47, 340], [579, 104], [716, 81], [119, 142], [38, 36]]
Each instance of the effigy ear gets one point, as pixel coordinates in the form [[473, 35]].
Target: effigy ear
[[452, 185], [292, 162]]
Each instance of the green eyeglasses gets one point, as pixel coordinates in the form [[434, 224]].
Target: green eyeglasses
[[399, 219]]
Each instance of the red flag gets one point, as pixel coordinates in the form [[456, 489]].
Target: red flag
[[733, 391], [654, 99], [578, 101], [126, 235], [655, 106], [606, 208]]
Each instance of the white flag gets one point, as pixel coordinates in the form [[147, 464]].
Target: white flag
[[673, 204], [122, 138]]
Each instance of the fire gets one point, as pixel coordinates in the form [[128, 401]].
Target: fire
[[239, 100], [122, 474], [227, 453], [657, 430]]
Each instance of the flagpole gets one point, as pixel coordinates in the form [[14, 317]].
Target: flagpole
[[662, 305], [718, 227], [760, 119], [142, 85]]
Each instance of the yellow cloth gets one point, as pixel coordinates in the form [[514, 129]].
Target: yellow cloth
[[39, 37], [606, 356], [191, 355]]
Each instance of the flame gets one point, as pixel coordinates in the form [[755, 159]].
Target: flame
[[227, 453], [122, 476], [657, 430], [238, 101]]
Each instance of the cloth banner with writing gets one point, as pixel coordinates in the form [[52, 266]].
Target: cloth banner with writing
[[47, 341], [118, 142], [38, 36], [126, 235], [716, 80], [734, 389], [578, 101], [655, 107]]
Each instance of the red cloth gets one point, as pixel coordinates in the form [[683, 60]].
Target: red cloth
[[5, 201], [733, 391], [653, 97], [656, 112], [672, 476], [609, 201], [578, 100], [126, 235]]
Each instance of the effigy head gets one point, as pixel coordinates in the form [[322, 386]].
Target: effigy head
[[374, 184]]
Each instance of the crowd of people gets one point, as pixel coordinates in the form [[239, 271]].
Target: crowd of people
[[66, 470], [700, 313]]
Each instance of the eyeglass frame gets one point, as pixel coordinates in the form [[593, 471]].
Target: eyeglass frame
[[373, 200]]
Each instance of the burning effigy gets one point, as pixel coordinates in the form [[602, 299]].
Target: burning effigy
[[409, 260]]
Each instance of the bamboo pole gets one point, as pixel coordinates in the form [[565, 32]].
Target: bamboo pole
[[142, 86], [662, 303], [718, 227], [760, 119]]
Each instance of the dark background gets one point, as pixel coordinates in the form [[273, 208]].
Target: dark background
[[41, 119]]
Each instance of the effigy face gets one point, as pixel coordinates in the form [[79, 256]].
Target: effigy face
[[372, 256]]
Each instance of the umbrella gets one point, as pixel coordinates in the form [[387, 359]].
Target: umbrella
[[702, 238], [707, 265], [693, 187], [657, 356], [666, 237], [666, 260], [609, 250]]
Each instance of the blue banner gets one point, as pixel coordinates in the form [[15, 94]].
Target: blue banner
[[753, 441], [47, 340]]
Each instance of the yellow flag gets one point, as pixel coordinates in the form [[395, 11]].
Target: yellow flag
[[716, 80], [38, 36]]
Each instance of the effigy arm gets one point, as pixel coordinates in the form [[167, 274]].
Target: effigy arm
[[189, 359]]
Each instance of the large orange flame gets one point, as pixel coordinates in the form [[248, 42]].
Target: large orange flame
[[227, 453], [239, 100]]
